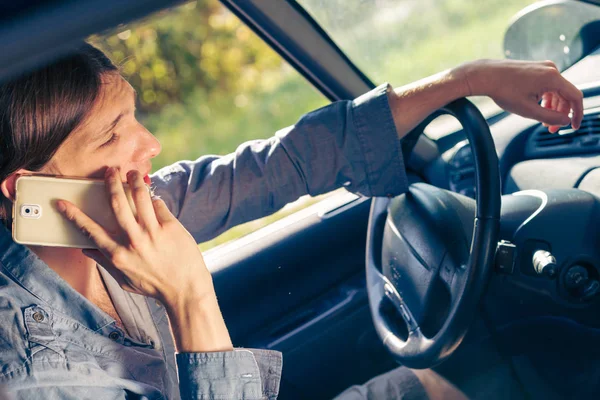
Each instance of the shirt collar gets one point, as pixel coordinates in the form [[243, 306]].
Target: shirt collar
[[28, 270]]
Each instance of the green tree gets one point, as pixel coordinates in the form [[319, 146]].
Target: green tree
[[176, 52]]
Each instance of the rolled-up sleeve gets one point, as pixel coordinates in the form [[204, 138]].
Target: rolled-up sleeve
[[376, 132], [245, 374], [351, 144]]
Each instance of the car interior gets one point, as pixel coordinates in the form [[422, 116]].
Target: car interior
[[487, 270]]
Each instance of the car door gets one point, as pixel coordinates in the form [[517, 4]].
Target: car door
[[298, 287]]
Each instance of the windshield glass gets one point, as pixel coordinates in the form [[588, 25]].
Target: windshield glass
[[400, 41]]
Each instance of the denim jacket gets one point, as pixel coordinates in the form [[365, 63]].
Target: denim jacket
[[56, 344]]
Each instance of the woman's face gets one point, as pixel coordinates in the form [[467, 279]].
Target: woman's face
[[110, 136]]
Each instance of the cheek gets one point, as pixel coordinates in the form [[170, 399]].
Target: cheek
[[88, 165], [125, 150], [52, 168], [69, 164], [93, 164], [121, 155]]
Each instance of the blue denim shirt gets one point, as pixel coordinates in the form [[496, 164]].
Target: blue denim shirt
[[56, 344]]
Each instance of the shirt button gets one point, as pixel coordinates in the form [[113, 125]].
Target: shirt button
[[114, 335], [38, 316]]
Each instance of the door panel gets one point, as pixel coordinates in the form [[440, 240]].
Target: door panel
[[301, 290]]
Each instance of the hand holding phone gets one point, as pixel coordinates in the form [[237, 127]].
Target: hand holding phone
[[154, 255]]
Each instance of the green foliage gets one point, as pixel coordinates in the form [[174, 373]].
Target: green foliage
[[197, 46]]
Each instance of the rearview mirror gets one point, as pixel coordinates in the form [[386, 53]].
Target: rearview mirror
[[563, 31]]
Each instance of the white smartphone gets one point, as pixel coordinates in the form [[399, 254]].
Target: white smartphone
[[37, 221]]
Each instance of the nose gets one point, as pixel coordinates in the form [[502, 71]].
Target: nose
[[149, 147], [154, 147]]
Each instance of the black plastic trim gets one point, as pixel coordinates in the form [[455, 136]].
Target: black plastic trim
[[288, 48], [51, 30]]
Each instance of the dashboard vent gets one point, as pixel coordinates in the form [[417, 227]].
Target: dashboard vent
[[590, 127]]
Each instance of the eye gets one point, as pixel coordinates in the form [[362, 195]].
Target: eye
[[113, 138]]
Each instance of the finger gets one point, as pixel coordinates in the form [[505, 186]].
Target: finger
[[575, 97], [119, 204], [142, 200], [547, 100], [546, 103], [562, 107], [116, 273], [554, 102], [548, 116], [577, 117], [87, 226], [162, 212]]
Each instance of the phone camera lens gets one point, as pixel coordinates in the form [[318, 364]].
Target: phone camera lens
[[27, 211]]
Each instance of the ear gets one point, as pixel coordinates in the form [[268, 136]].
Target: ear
[[8, 185]]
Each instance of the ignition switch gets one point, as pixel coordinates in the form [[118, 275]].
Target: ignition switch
[[580, 283], [544, 264], [576, 277]]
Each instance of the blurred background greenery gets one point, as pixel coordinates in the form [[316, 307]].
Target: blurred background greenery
[[207, 83]]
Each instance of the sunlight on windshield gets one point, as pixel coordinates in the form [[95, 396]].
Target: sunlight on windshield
[[400, 41]]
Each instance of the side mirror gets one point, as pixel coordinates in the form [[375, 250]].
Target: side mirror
[[563, 31]]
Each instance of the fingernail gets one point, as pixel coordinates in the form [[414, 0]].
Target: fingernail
[[61, 206], [109, 171]]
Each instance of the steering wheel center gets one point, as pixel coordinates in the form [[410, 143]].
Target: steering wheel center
[[429, 253]]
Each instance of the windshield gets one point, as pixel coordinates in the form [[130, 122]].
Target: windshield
[[400, 41]]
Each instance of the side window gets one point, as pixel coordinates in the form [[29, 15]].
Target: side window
[[206, 84], [402, 41]]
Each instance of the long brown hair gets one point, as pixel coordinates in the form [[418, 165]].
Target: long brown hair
[[39, 110]]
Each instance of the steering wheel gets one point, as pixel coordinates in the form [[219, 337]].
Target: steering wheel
[[425, 277]]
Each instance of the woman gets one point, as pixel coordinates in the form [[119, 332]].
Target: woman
[[83, 325]]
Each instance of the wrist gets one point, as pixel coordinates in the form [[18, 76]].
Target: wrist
[[412, 103], [476, 76], [196, 290], [179, 305], [197, 325]]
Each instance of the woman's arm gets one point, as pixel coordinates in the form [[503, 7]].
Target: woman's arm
[[516, 86], [355, 144]]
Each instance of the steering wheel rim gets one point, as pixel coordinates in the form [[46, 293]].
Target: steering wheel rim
[[417, 350]]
